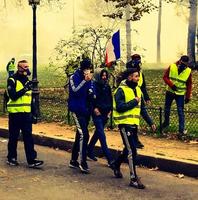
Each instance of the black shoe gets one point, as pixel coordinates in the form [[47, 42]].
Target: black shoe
[[92, 157], [74, 164], [84, 168], [139, 145], [35, 163], [136, 183], [117, 173], [12, 162]]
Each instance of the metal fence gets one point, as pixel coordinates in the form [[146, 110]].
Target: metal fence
[[55, 109]]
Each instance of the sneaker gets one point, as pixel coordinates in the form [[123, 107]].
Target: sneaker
[[12, 162], [117, 173], [35, 163], [92, 157], [139, 145], [74, 164], [136, 183], [84, 168]]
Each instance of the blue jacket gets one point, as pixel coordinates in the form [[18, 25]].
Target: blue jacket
[[81, 94]]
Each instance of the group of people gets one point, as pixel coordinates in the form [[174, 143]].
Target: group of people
[[92, 97]]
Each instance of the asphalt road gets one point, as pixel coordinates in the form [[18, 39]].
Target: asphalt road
[[55, 181]]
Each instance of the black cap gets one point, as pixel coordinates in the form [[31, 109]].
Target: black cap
[[85, 64], [184, 59]]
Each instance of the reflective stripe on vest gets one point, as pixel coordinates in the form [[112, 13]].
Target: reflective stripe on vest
[[179, 80], [140, 82], [22, 104], [131, 116]]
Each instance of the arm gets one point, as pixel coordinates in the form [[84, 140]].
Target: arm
[[189, 87], [76, 83], [167, 79], [144, 89], [145, 114], [12, 90], [121, 105]]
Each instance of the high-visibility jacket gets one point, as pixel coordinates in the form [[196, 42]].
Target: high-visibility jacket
[[140, 82], [11, 67], [131, 116], [179, 80], [23, 103]]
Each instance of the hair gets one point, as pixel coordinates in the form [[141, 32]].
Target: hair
[[135, 56], [124, 75], [85, 64], [184, 58]]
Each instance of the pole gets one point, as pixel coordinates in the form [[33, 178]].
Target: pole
[[35, 91], [128, 33]]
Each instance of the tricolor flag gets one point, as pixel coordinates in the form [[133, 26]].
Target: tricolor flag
[[113, 48]]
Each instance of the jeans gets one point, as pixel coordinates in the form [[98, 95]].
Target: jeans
[[82, 137], [99, 122], [180, 109]]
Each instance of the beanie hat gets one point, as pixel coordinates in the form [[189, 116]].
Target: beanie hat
[[136, 56], [85, 64]]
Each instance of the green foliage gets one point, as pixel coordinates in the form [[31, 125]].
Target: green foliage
[[90, 41]]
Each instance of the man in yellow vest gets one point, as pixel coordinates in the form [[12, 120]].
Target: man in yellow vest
[[126, 114], [179, 87], [20, 117], [135, 62], [11, 67]]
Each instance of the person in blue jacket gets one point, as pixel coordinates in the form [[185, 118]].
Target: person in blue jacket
[[81, 93]]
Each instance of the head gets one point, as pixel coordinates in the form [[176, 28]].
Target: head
[[183, 62], [136, 60], [13, 60], [104, 76], [133, 75], [85, 64], [23, 68]]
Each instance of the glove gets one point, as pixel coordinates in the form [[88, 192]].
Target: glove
[[28, 86], [174, 88], [187, 101]]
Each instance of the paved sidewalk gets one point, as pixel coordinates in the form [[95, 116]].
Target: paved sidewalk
[[168, 155]]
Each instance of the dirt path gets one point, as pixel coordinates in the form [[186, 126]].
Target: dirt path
[[153, 146]]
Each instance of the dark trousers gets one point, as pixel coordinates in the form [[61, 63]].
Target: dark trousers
[[21, 122], [82, 137], [99, 122], [180, 109], [129, 136]]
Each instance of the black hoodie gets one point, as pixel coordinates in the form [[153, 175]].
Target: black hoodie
[[103, 101]]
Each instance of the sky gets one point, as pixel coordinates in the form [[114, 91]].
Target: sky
[[16, 32]]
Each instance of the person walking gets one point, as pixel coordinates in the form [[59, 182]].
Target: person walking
[[102, 109], [178, 79], [136, 63], [20, 118], [10, 68], [126, 114], [81, 94]]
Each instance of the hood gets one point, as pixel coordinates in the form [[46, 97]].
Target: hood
[[98, 73]]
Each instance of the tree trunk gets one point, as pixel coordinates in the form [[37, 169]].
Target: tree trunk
[[4, 5], [192, 24], [128, 33], [159, 32]]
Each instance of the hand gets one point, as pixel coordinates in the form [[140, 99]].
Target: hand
[[97, 112], [28, 86], [87, 75], [138, 99], [153, 127], [187, 101], [109, 115], [174, 88], [148, 102]]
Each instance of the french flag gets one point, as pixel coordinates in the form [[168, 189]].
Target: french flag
[[113, 48]]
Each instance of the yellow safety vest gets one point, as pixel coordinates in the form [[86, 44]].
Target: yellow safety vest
[[140, 82], [23, 103], [179, 80], [131, 116], [11, 67]]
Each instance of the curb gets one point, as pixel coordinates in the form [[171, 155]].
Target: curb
[[162, 164]]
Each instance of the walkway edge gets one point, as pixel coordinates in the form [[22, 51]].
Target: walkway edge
[[163, 164]]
